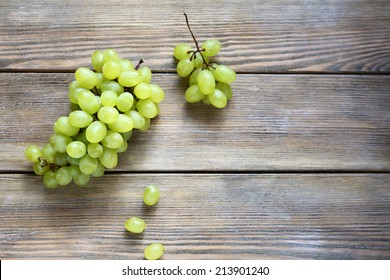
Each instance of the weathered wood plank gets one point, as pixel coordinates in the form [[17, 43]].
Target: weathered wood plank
[[220, 216], [273, 122], [257, 36]]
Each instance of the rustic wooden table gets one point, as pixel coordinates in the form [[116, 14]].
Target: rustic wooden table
[[296, 167]]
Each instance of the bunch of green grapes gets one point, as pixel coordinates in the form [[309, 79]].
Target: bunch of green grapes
[[106, 106], [208, 82]]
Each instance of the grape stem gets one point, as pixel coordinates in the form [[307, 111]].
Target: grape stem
[[139, 64], [198, 50]]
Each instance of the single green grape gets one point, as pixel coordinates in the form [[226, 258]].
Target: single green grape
[[206, 82], [157, 93], [122, 124], [80, 118], [185, 67], [135, 225], [63, 125], [97, 60], [151, 195], [125, 102], [96, 132], [211, 47], [142, 90], [193, 94], [154, 251], [63, 176], [33, 153], [129, 78], [88, 164], [109, 158], [218, 99], [76, 149], [109, 98], [88, 102], [138, 119], [94, 150], [86, 77], [146, 74], [108, 114], [181, 50], [224, 74], [147, 108], [113, 140], [111, 70], [49, 180]]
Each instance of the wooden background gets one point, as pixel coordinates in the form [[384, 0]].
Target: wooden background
[[296, 167]]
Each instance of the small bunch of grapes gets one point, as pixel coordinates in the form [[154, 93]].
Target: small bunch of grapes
[[136, 225], [208, 82], [106, 105]]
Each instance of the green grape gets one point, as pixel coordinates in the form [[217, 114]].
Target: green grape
[[49, 180], [73, 95], [33, 153], [199, 61], [151, 195], [112, 85], [224, 74], [142, 91], [63, 176], [110, 55], [63, 125], [96, 132], [211, 47], [108, 114], [129, 78], [146, 126], [154, 251], [135, 225], [206, 82], [88, 102], [79, 118], [88, 164], [112, 140], [147, 108], [73, 161], [100, 80], [86, 77], [48, 153], [193, 94], [109, 158], [194, 76], [138, 119], [81, 179], [206, 100], [126, 65], [185, 67], [61, 159], [94, 150], [74, 170], [218, 99], [125, 102], [76, 149], [181, 51], [97, 60], [127, 135], [123, 124], [73, 84], [157, 93], [146, 74], [59, 142], [109, 98], [40, 169], [99, 172], [111, 70], [225, 88], [123, 147]]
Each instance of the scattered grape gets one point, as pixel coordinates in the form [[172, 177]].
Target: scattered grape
[[135, 225], [154, 251], [151, 195]]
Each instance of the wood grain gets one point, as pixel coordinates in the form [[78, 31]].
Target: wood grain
[[257, 36], [204, 216], [274, 122]]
